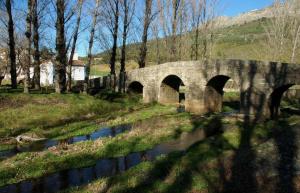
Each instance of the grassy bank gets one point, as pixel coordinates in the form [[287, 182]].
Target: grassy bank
[[65, 116], [144, 135], [44, 114], [207, 166]]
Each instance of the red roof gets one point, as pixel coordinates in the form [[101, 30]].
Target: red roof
[[78, 63]]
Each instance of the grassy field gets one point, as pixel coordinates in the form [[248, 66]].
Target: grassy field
[[44, 114], [102, 69], [62, 116], [205, 167], [55, 116], [35, 164]]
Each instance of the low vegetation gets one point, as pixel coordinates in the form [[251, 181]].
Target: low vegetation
[[203, 167], [144, 135], [45, 114], [152, 124]]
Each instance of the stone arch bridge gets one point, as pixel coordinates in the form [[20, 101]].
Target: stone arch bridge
[[200, 85]]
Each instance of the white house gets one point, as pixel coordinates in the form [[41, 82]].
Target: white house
[[47, 71], [78, 70]]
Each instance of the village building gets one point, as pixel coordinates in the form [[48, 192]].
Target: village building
[[47, 74]]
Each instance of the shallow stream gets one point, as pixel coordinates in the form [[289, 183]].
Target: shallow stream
[[45, 144], [103, 168]]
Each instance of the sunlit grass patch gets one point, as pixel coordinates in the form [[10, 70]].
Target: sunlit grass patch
[[39, 112], [32, 165], [176, 172], [199, 169]]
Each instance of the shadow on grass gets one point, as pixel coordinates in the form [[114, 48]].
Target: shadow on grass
[[285, 139], [237, 173], [161, 178]]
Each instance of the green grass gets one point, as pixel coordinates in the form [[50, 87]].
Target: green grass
[[38, 113], [145, 135], [4, 147], [199, 169], [87, 127], [98, 70], [62, 116], [41, 113]]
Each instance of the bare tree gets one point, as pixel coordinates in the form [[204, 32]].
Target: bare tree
[[295, 29], [196, 7], [147, 21], [91, 42], [36, 53], [175, 10], [283, 30], [75, 36], [126, 22], [183, 17], [208, 16], [112, 14], [155, 31], [112, 62], [170, 13], [61, 59], [128, 11], [11, 45], [28, 47], [296, 42]]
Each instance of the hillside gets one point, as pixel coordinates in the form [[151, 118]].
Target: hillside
[[253, 15], [243, 37]]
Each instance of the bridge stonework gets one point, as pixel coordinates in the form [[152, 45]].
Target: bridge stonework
[[260, 84]]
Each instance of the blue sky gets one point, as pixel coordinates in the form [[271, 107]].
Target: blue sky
[[235, 7]]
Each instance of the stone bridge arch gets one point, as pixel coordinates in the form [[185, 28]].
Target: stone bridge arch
[[213, 93], [135, 87], [204, 82], [275, 99], [169, 90]]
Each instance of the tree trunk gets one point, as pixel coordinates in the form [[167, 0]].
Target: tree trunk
[[74, 46], [36, 53], [197, 43], [91, 42], [123, 51], [147, 21], [180, 16], [11, 44], [61, 59], [125, 26], [28, 54], [114, 48], [295, 44], [205, 25], [195, 46], [175, 7]]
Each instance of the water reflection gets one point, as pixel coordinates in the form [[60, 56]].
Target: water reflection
[[45, 144], [103, 168]]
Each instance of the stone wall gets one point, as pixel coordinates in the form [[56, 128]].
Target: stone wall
[[256, 79]]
